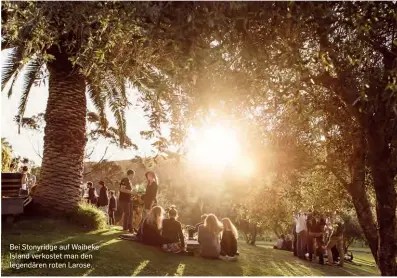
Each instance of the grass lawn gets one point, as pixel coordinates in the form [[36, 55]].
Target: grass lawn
[[125, 258]]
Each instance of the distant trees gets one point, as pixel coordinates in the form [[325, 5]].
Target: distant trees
[[322, 76], [6, 155]]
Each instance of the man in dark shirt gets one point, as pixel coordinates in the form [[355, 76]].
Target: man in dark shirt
[[125, 202], [317, 232], [310, 224]]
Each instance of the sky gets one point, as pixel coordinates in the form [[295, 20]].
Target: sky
[[28, 143]]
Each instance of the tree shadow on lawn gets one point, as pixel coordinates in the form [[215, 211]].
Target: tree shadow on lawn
[[144, 260], [265, 261], [117, 257]]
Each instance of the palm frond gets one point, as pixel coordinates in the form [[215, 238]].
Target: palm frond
[[32, 70], [118, 110], [99, 100], [11, 67], [118, 102]]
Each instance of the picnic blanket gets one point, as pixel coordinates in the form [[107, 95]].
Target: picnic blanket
[[192, 245]]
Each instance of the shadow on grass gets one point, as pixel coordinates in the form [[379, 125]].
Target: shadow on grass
[[117, 257]]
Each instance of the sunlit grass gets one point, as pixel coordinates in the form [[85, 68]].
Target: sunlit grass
[[141, 266], [124, 258]]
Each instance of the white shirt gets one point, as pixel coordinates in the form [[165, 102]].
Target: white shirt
[[300, 223], [280, 243]]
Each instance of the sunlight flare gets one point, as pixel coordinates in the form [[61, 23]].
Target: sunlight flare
[[214, 146]]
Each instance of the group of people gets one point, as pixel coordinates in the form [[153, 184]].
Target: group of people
[[311, 231], [217, 238], [129, 201]]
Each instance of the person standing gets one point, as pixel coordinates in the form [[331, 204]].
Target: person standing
[[25, 181], [317, 232], [103, 200], [336, 239], [92, 196], [151, 192], [295, 240], [310, 224], [125, 200], [301, 230], [112, 208]]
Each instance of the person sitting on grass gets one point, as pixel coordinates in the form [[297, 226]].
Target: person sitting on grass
[[193, 230], [172, 229], [152, 226], [288, 243], [280, 245], [229, 238], [209, 238]]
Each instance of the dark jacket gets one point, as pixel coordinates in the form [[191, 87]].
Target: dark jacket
[[151, 236], [150, 195], [112, 204], [125, 197], [172, 229], [103, 197], [92, 195], [228, 243]]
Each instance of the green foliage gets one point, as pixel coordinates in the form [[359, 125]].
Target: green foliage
[[6, 155], [108, 171], [353, 231], [88, 216]]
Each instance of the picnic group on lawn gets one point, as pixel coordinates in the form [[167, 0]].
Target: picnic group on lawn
[[217, 238]]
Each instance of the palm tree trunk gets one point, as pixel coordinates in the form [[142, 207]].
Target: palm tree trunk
[[61, 176]]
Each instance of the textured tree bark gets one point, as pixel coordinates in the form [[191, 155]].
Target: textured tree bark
[[359, 195], [383, 176], [58, 189]]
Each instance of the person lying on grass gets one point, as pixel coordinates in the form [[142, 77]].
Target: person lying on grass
[[151, 229], [280, 243], [229, 238], [209, 239], [172, 229]]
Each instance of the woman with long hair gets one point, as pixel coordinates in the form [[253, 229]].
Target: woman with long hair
[[172, 229], [229, 238], [209, 238], [151, 192], [151, 228]]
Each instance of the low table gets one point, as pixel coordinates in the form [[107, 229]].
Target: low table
[[192, 245]]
